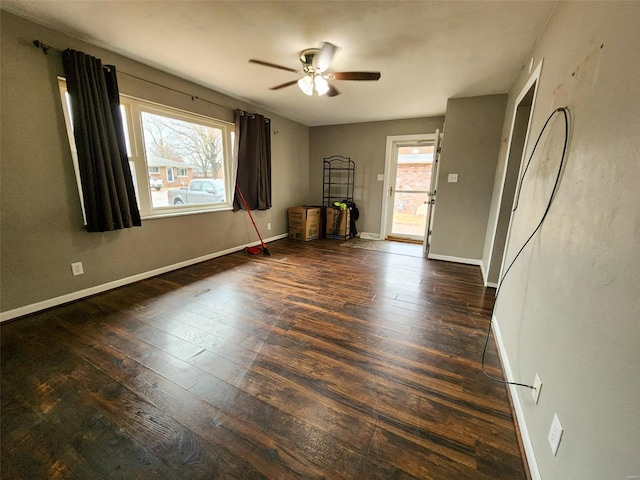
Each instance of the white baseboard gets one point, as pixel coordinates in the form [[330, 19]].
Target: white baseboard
[[447, 258], [70, 297], [517, 406], [370, 236]]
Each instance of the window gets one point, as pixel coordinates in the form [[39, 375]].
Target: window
[[175, 148]]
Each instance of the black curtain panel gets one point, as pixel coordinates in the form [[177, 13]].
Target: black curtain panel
[[254, 160], [107, 184]]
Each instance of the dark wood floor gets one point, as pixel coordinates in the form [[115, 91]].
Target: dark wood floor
[[320, 361]]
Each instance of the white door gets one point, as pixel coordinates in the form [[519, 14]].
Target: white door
[[409, 188], [426, 243]]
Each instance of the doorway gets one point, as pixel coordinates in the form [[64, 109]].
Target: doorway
[[411, 172], [516, 149]]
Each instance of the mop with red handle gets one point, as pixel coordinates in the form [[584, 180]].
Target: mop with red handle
[[252, 250]]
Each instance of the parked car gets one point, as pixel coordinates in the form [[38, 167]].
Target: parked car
[[155, 183], [201, 190]]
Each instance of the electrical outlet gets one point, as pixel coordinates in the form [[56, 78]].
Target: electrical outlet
[[76, 269], [555, 434], [537, 386], [452, 178], [268, 226]]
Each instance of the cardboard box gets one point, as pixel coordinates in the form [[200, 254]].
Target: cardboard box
[[340, 228], [304, 223], [323, 215]]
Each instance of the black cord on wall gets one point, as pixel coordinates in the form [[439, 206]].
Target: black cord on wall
[[564, 111]]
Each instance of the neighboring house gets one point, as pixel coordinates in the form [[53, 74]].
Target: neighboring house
[[172, 173], [414, 174]]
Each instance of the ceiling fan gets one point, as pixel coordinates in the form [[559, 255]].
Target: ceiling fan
[[315, 62]]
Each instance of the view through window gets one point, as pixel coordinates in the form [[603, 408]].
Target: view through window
[[185, 157]]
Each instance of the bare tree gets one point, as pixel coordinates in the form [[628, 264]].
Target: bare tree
[[202, 147], [196, 145], [158, 139]]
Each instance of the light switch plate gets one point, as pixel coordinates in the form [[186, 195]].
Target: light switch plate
[[381, 177], [453, 178]]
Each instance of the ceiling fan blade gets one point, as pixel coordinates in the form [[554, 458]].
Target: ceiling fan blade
[[288, 84], [354, 75], [273, 65], [325, 56], [333, 91]]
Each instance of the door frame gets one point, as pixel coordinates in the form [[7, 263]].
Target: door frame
[[390, 163], [532, 82], [433, 190]]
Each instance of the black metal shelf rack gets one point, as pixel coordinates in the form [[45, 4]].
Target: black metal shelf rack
[[338, 180]]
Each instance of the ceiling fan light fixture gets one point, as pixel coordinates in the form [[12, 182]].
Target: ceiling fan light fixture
[[315, 63], [322, 86], [306, 85]]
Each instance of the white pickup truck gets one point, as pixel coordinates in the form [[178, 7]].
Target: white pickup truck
[[201, 190], [155, 183]]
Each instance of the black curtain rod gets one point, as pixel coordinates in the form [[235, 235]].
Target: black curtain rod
[[45, 49]]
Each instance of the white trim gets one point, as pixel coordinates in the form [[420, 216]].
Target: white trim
[[447, 258], [484, 273], [370, 236], [533, 79], [517, 406], [483, 269], [70, 297], [433, 190]]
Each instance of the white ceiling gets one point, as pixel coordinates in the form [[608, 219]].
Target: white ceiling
[[426, 51]]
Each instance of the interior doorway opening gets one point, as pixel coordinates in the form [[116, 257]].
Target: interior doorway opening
[[516, 149]]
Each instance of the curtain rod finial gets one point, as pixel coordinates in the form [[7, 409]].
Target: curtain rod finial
[[42, 46]]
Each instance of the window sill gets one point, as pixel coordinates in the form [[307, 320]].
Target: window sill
[[155, 216]]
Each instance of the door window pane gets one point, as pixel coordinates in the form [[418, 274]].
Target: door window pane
[[413, 181], [410, 214]]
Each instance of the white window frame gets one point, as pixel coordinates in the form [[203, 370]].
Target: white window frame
[[132, 108]]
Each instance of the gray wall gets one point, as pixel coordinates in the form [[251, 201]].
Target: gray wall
[[569, 308], [470, 148], [40, 212], [366, 144]]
